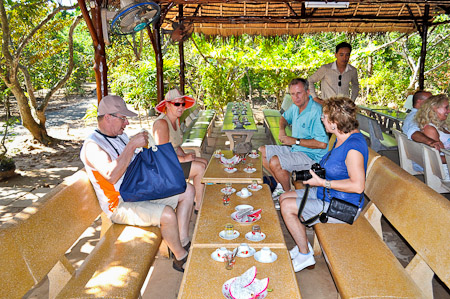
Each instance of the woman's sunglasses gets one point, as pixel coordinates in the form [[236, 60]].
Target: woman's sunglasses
[[178, 104]]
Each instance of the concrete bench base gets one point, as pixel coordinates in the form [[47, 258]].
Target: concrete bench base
[[34, 244]]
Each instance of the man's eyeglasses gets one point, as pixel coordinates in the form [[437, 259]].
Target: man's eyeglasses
[[122, 118], [340, 79], [178, 104]]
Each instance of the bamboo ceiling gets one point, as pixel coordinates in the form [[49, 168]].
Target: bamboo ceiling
[[280, 17]]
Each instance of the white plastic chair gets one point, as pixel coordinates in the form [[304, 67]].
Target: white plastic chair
[[376, 138], [425, 156], [408, 152]]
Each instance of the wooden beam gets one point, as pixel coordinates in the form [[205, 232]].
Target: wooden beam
[[181, 52], [373, 2], [423, 50], [94, 24], [293, 19]]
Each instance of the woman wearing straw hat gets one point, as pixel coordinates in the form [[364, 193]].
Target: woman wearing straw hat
[[166, 128]]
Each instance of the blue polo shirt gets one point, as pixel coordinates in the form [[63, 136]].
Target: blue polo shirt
[[307, 125]]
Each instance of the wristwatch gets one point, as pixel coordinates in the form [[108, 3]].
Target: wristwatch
[[297, 141], [327, 184]]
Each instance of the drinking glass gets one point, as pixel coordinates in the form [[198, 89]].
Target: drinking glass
[[229, 230]]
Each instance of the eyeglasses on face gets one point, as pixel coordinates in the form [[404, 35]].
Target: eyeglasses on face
[[176, 104], [122, 118], [340, 80]]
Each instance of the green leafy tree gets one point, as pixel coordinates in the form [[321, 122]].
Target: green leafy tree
[[34, 40]]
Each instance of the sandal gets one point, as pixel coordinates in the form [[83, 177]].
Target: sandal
[[178, 264]]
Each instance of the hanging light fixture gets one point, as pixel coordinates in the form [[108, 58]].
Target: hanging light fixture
[[326, 4]]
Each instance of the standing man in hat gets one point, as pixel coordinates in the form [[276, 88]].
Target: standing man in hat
[[106, 154], [335, 77]]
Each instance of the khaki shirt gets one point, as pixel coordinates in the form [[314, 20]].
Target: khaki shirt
[[328, 75]]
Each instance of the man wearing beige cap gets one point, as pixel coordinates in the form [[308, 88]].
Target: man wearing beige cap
[[106, 154]]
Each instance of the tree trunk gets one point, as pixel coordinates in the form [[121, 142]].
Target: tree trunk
[[38, 130]]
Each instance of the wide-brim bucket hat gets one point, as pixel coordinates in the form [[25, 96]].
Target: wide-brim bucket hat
[[171, 95]]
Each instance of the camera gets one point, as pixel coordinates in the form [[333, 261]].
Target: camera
[[304, 175]]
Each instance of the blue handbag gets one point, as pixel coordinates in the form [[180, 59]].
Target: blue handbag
[[154, 173]]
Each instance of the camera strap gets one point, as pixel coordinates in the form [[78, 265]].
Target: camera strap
[[305, 197]]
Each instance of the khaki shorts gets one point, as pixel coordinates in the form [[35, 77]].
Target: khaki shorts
[[143, 213]]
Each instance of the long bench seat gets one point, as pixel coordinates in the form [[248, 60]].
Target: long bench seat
[[197, 126], [34, 243], [272, 125], [362, 265]]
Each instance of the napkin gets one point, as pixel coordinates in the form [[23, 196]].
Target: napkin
[[234, 160]]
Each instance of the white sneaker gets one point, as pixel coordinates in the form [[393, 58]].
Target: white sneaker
[[294, 251], [302, 261], [276, 203], [276, 193]]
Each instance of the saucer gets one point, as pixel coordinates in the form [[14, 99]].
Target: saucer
[[259, 187], [233, 216], [253, 156], [223, 190], [217, 258], [254, 238], [250, 253], [249, 170], [258, 258], [232, 170], [234, 236], [242, 196]]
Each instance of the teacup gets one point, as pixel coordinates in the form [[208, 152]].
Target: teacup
[[243, 249], [245, 192], [266, 254], [240, 208], [254, 152], [221, 252]]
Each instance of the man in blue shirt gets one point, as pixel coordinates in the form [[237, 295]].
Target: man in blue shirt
[[308, 143]]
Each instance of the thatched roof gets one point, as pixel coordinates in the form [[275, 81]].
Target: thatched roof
[[280, 17]]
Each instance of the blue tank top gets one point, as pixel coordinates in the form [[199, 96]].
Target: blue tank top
[[336, 169]]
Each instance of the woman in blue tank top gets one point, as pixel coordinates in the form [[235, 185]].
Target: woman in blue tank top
[[345, 172]]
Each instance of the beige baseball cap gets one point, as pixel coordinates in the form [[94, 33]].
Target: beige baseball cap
[[113, 104]]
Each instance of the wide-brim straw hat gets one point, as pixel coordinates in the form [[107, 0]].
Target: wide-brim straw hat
[[171, 95]]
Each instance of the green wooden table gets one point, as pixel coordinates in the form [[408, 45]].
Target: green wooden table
[[388, 118], [244, 133]]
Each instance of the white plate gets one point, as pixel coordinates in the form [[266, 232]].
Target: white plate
[[223, 190], [251, 237], [249, 170], [259, 187], [226, 288], [239, 207], [233, 216], [232, 170], [253, 156], [234, 236], [258, 258], [215, 257], [250, 253], [242, 196]]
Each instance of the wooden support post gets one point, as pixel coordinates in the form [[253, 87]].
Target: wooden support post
[[181, 51], [95, 29], [423, 51]]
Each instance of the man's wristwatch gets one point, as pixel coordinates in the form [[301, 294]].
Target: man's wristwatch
[[327, 184], [297, 141]]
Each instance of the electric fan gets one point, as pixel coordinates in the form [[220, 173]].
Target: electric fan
[[134, 16]]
